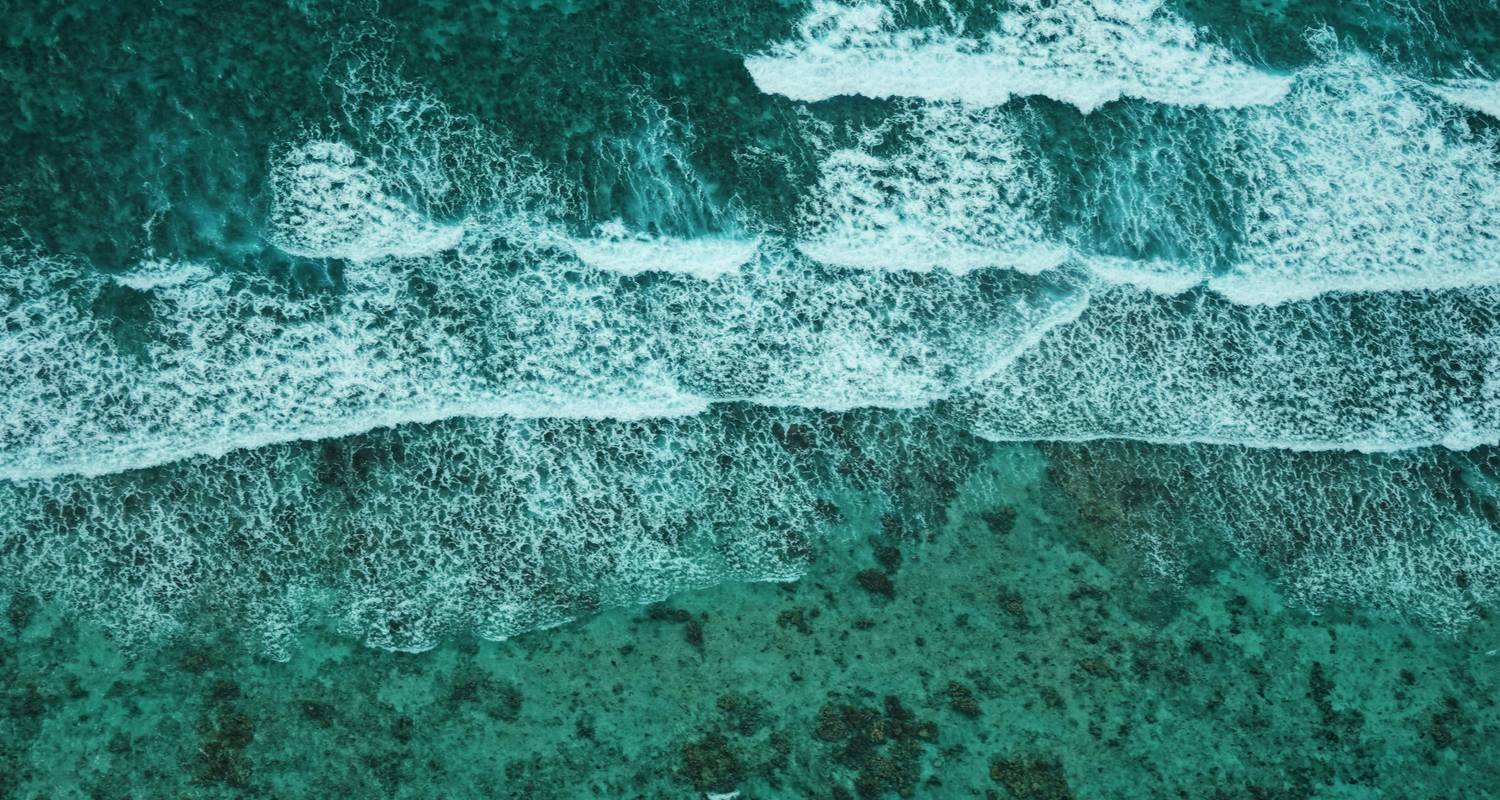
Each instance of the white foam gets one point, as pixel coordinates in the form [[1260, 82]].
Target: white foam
[[1358, 181], [1379, 372], [1082, 52], [645, 183], [707, 258], [848, 359], [919, 249], [234, 362], [1476, 94], [329, 202], [156, 274], [490, 526], [528, 439], [937, 187], [1399, 534], [489, 317], [1156, 275]]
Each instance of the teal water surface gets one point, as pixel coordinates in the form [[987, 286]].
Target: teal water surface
[[761, 399]]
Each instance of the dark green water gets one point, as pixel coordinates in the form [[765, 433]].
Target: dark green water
[[769, 399]]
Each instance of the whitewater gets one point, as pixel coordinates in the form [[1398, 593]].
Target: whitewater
[[523, 384], [1078, 52]]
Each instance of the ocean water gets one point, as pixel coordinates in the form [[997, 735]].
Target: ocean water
[[758, 399]]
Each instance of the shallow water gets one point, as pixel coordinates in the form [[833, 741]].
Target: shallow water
[[793, 399]]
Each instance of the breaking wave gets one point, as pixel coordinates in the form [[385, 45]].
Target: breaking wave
[[616, 250], [1407, 535], [1476, 94], [236, 361], [332, 203], [517, 391], [1368, 372], [935, 187], [494, 527], [1082, 52], [1360, 184], [1357, 180]]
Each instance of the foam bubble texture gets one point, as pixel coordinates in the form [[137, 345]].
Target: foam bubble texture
[[1082, 52], [1408, 534], [934, 187], [644, 183], [517, 400], [156, 274], [1475, 94], [615, 249], [403, 536], [411, 146], [1358, 181], [492, 526], [457, 294], [330, 202], [1369, 372], [237, 361]]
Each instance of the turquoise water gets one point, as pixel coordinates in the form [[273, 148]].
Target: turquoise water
[[1040, 399]]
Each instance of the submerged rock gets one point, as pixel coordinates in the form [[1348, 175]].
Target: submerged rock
[[710, 765], [876, 582], [1031, 778]]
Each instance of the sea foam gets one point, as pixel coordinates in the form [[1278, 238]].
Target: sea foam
[[1405, 535], [1371, 372], [934, 187], [1476, 94], [617, 250], [330, 202], [1358, 181], [238, 361], [1082, 52], [154, 274], [491, 422], [493, 527]]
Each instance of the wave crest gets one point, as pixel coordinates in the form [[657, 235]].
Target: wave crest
[[1082, 52]]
